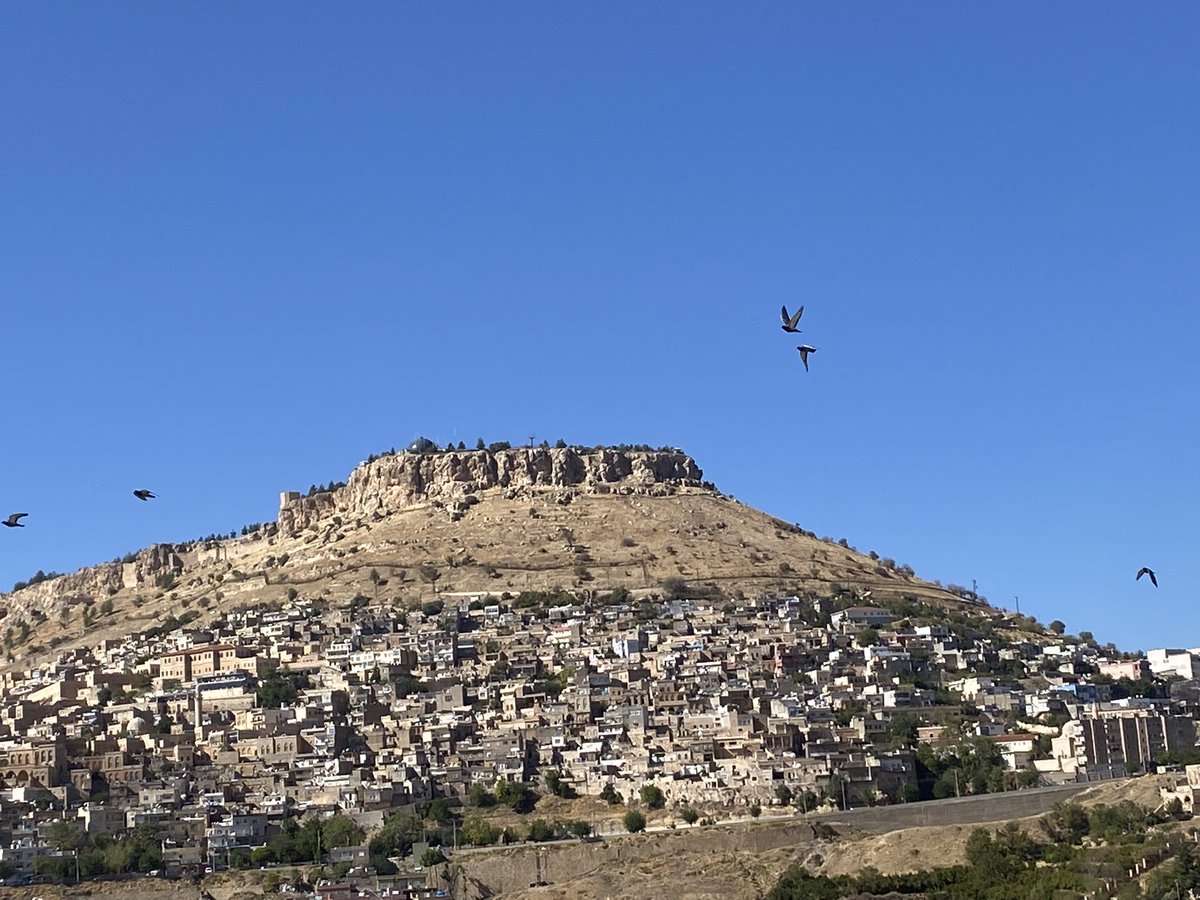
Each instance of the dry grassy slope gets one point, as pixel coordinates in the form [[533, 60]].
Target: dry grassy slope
[[596, 541], [745, 860]]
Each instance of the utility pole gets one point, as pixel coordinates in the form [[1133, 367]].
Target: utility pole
[[1018, 599]]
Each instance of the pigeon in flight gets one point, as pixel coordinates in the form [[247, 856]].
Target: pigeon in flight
[[12, 522], [1145, 571], [144, 494], [804, 351], [789, 322]]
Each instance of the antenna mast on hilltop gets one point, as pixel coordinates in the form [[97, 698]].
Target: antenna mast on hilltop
[[531, 437]]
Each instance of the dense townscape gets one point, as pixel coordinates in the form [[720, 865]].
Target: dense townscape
[[367, 737]]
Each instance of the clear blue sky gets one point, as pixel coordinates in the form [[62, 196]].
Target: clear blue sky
[[242, 246]]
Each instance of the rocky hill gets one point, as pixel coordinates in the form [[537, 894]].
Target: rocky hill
[[408, 526]]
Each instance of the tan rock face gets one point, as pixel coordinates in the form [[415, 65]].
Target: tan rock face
[[402, 480]]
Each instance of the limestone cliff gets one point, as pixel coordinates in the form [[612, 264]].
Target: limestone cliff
[[402, 480], [453, 480]]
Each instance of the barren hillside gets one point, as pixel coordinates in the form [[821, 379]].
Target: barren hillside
[[408, 526]]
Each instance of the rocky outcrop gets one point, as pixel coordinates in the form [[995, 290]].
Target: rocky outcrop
[[402, 480], [97, 582]]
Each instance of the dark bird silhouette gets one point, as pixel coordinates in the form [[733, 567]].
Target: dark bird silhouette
[[144, 494], [789, 322], [1145, 571], [12, 522], [804, 351]]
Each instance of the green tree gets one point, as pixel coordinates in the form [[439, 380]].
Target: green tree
[[478, 795], [902, 729], [541, 830], [1057, 626], [340, 831], [652, 796], [439, 811], [1066, 823], [579, 828], [557, 786], [277, 689], [867, 637], [1178, 878], [611, 795], [396, 836], [634, 821], [834, 790], [515, 794], [66, 836], [689, 815], [432, 857], [479, 832]]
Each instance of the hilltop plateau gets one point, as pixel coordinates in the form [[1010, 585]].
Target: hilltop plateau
[[408, 527]]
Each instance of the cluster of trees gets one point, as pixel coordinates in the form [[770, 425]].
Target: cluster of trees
[[482, 833], [318, 489], [37, 578], [425, 445], [304, 842], [139, 850], [546, 599], [280, 688], [1010, 863], [974, 766]]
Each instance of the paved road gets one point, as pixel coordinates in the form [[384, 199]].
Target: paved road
[[956, 810]]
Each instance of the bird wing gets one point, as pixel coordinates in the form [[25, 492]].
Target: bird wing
[[804, 356], [784, 314], [1153, 580], [1142, 571], [796, 318], [12, 520]]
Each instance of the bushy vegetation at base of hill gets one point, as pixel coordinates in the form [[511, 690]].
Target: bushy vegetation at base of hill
[[1090, 846]]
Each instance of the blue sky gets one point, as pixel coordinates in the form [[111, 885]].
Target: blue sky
[[244, 246]]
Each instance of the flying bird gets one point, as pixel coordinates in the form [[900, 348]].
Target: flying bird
[[804, 351], [12, 522], [144, 494], [789, 322], [1145, 571]]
